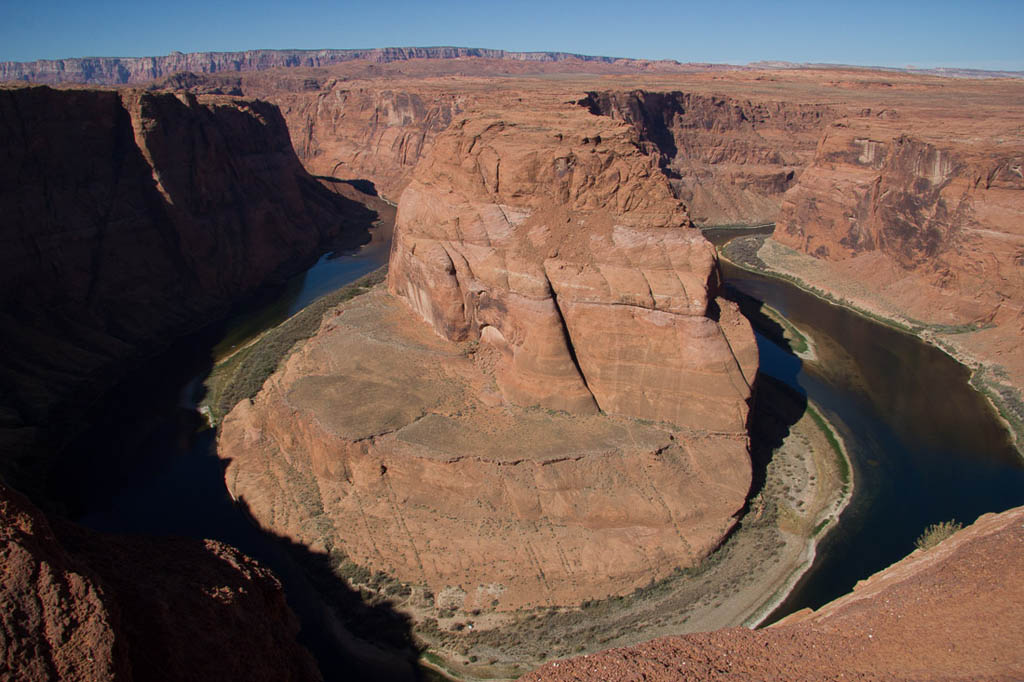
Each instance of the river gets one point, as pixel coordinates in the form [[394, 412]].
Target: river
[[925, 447]]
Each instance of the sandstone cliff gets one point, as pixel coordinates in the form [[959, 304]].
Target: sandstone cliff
[[951, 213], [561, 246], [729, 159], [362, 132], [955, 611], [920, 218], [132, 217], [77, 605]]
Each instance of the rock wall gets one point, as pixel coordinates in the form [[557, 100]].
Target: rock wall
[[557, 241], [130, 218], [551, 407], [729, 159], [947, 212], [360, 132], [77, 605], [951, 612]]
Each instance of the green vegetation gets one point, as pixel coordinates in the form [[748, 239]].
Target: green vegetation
[[240, 376], [994, 384], [936, 533], [843, 463]]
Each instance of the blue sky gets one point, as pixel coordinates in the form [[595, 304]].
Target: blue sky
[[982, 34]]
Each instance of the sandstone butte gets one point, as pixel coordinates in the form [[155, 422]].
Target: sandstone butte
[[556, 410], [907, 185]]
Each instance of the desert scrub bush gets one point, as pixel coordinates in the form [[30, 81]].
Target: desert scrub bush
[[936, 533]]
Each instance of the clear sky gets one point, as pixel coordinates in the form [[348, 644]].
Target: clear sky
[[986, 34]]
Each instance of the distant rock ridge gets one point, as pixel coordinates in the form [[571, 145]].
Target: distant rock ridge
[[130, 70]]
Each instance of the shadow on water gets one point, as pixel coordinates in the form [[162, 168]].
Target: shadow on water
[[775, 403], [147, 464]]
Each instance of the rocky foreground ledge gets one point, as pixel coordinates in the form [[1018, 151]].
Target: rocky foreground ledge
[[955, 611]]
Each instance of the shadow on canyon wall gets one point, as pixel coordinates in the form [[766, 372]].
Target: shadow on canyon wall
[[774, 406]]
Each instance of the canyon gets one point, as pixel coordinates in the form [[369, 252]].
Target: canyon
[[552, 367]]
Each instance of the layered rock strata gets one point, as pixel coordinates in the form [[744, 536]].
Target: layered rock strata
[[551, 407], [930, 225], [86, 606], [135, 70], [129, 218], [568, 254], [729, 159], [950, 612]]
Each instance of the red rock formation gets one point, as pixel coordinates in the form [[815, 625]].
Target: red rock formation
[[955, 611], [555, 269], [730, 159], [86, 606], [946, 211], [132, 217], [366, 132], [560, 245]]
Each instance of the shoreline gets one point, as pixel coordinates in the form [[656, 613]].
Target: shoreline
[[919, 330], [824, 523]]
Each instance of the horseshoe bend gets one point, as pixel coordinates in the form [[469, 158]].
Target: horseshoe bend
[[547, 429]]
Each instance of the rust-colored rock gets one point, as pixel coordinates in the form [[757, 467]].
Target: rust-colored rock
[[730, 159], [380, 440], [79, 605], [955, 611], [552, 238]]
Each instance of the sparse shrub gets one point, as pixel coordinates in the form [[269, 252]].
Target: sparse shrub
[[936, 533]]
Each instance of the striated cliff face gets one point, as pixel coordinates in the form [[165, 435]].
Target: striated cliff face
[[947, 212], [132, 217], [364, 132], [729, 159], [567, 253], [86, 606], [953, 611], [549, 408]]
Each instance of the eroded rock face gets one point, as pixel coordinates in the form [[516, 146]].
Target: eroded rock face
[[730, 159], [86, 606], [130, 218], [562, 247], [477, 432], [953, 611], [949, 213], [126, 70], [381, 443], [367, 132]]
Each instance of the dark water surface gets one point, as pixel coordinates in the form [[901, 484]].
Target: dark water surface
[[925, 446]]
